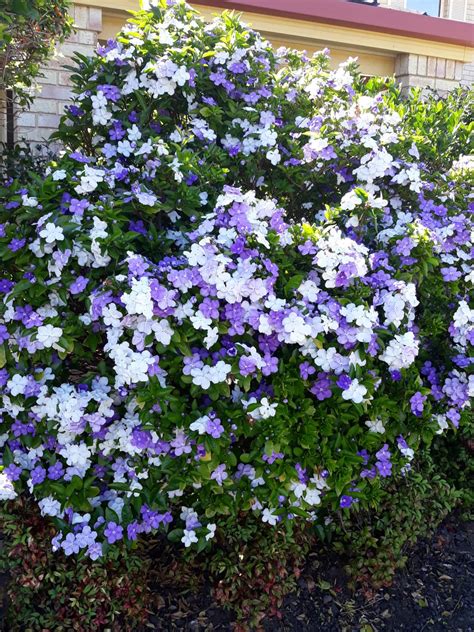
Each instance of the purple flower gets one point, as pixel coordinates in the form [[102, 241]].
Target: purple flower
[[74, 110], [214, 427], [133, 529], [5, 286], [417, 402], [70, 545], [77, 207], [56, 471], [454, 417], [344, 381], [306, 369], [404, 246], [94, 551], [383, 464], [78, 157], [16, 244], [113, 532], [38, 474], [13, 472], [345, 501], [322, 387], [450, 274], [78, 285], [86, 537], [219, 474], [247, 366]]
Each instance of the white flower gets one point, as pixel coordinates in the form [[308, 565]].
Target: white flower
[[59, 174], [99, 100], [148, 199], [125, 148], [309, 290], [134, 133], [401, 352], [101, 116], [163, 332], [313, 497], [49, 335], [16, 385], [350, 200], [199, 321], [77, 455], [196, 255], [220, 371], [211, 338], [268, 516], [211, 531], [442, 423], [375, 425], [29, 201], [355, 392], [90, 179], [6, 488], [265, 410], [200, 425], [111, 315], [189, 537], [296, 328], [165, 37], [52, 233], [274, 156], [138, 300], [181, 76], [50, 507]]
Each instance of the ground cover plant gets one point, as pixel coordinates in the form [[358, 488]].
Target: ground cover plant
[[244, 289]]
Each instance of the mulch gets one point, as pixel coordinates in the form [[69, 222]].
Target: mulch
[[434, 592]]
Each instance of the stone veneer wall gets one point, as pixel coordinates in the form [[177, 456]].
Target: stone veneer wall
[[419, 70], [39, 122]]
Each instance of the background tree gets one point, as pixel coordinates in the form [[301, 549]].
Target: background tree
[[29, 31]]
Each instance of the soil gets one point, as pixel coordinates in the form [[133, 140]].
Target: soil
[[434, 592]]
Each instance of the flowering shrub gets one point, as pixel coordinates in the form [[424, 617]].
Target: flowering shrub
[[179, 346]]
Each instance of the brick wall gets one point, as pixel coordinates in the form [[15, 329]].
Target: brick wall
[[42, 118], [435, 72]]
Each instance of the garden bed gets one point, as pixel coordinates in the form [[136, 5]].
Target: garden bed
[[434, 592]]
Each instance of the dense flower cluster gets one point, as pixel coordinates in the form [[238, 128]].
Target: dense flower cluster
[[177, 344]]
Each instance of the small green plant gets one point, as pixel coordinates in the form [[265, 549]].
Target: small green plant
[[254, 568], [49, 591], [453, 456], [376, 543]]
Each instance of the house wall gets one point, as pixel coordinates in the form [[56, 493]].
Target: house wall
[[461, 10], [414, 61]]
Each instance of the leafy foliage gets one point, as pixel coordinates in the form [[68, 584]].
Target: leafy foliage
[[378, 543], [49, 591]]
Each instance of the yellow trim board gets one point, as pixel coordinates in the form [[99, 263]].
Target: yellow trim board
[[329, 35], [370, 63]]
